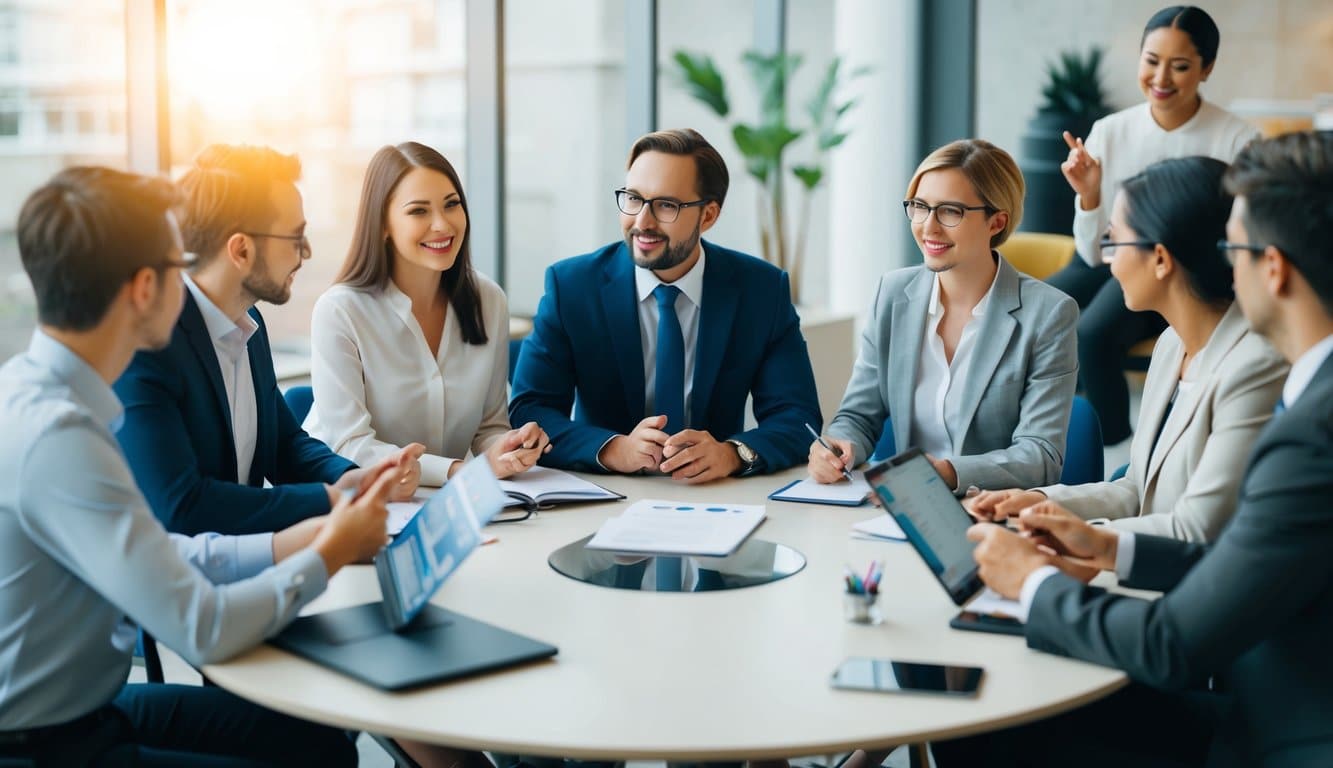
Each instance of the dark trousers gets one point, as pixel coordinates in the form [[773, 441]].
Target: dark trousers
[[184, 725], [1106, 331], [1136, 726]]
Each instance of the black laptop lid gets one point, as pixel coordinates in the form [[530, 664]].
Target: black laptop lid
[[935, 522]]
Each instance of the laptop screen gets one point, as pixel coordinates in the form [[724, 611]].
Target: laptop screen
[[935, 522], [436, 540]]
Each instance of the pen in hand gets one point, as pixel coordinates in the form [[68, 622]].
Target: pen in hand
[[829, 448]]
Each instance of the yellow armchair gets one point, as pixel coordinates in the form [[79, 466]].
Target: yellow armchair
[[1038, 254]]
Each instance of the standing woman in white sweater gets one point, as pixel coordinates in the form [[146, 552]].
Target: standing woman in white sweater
[[411, 344], [1176, 55]]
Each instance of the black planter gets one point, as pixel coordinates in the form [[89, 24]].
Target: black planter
[[1049, 205]]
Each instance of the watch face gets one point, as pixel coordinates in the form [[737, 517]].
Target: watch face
[[746, 453]]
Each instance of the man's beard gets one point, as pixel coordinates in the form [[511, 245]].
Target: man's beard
[[673, 254], [262, 287]]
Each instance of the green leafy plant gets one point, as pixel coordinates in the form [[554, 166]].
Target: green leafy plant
[[764, 143], [1074, 86]]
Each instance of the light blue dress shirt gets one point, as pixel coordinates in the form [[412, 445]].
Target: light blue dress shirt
[[80, 551]]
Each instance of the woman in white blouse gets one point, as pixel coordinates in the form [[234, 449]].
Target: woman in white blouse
[[1212, 383], [411, 344], [1177, 54]]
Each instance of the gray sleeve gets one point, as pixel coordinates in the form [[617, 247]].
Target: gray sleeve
[[94, 521], [862, 413]]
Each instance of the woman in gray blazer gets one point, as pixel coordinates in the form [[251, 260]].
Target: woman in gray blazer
[[973, 362], [1212, 382]]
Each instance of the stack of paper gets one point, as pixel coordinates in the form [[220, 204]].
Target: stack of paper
[[654, 526], [879, 527]]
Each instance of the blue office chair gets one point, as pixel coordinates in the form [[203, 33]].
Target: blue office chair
[[1084, 460], [300, 399], [1119, 472]]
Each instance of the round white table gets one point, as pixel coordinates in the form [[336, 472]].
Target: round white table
[[727, 675]]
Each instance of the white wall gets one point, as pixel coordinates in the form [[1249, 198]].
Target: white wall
[[1280, 49]]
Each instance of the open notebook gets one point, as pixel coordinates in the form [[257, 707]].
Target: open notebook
[[538, 487]]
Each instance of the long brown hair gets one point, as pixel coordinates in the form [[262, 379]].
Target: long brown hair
[[367, 264]]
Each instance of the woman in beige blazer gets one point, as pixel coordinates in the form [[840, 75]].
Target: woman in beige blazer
[[1212, 383]]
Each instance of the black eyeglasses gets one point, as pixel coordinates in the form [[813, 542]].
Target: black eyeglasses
[[1228, 250], [1107, 247], [665, 209], [947, 214], [302, 244]]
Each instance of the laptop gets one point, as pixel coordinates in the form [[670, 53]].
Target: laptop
[[404, 640], [936, 524]]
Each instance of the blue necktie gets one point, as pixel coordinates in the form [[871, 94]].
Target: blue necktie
[[1280, 408], [670, 370]]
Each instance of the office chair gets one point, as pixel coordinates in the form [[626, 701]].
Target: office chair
[[515, 346], [1038, 254], [1084, 460], [300, 399]]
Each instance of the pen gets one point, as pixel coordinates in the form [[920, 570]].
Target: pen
[[828, 448]]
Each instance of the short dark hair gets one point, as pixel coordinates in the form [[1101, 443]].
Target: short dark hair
[[367, 263], [1285, 181], [1181, 204], [1193, 21], [712, 169], [228, 190], [87, 231]]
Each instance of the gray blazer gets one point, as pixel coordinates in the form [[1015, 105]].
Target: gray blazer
[[1186, 487], [1017, 398], [1255, 608]]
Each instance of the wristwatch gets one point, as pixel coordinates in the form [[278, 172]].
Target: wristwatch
[[747, 454]]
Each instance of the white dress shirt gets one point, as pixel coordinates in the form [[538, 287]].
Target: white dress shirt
[[933, 410], [378, 387], [1302, 373], [1130, 140], [688, 302], [229, 342]]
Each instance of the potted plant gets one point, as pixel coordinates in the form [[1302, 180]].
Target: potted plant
[[763, 144], [1073, 99]]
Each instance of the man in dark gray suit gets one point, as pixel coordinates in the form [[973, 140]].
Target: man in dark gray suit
[[1250, 617]]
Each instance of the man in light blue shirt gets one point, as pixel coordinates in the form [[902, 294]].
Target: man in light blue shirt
[[81, 554]]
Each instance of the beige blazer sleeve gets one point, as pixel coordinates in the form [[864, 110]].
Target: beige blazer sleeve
[[1186, 488]]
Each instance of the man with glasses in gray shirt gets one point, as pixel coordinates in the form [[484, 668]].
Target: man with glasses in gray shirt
[[83, 559]]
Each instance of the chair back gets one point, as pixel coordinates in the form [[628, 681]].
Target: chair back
[[1084, 459], [1038, 254], [300, 399]]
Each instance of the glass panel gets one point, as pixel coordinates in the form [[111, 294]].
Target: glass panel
[[62, 66], [565, 136], [331, 82], [756, 562]]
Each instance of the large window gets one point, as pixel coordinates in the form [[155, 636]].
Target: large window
[[62, 103], [565, 136], [330, 81]]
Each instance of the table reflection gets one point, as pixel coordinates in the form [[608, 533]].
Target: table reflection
[[756, 562]]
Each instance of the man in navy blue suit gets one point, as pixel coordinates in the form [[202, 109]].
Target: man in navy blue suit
[[656, 342], [205, 425]]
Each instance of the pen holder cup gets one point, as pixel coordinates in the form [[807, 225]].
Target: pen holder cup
[[861, 608]]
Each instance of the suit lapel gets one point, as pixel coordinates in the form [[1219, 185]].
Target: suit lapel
[[191, 322], [1226, 336], [997, 326], [716, 318], [622, 317], [907, 332]]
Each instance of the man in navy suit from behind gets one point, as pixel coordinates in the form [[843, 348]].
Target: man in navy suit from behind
[[205, 425], [656, 342]]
